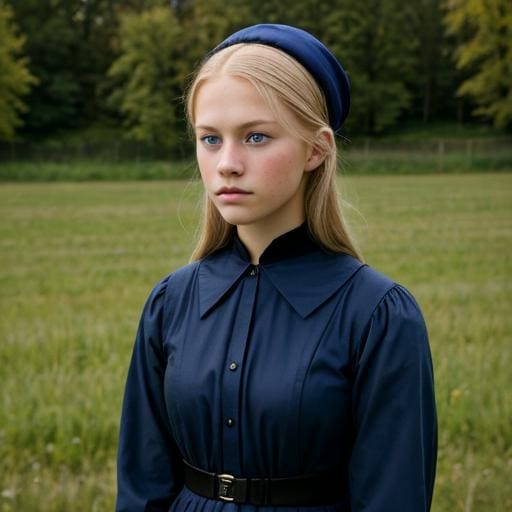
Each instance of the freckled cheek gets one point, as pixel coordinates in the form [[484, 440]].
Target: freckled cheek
[[280, 163], [206, 169], [281, 170]]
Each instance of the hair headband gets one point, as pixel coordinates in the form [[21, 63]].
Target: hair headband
[[312, 54]]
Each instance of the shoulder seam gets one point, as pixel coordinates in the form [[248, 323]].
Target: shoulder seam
[[383, 282], [175, 279], [381, 300]]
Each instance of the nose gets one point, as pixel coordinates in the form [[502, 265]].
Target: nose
[[230, 160]]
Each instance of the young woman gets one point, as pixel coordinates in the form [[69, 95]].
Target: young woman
[[276, 372]]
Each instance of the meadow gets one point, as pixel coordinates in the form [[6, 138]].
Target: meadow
[[77, 261]]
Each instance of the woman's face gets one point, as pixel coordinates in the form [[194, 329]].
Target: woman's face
[[253, 169]]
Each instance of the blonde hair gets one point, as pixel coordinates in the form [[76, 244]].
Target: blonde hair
[[287, 87]]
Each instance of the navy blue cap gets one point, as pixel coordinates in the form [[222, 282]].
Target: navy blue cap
[[312, 54]]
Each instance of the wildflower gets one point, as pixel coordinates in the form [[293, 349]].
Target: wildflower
[[9, 494], [455, 395]]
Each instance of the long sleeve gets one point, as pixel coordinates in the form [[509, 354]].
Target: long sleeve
[[392, 466], [149, 468]]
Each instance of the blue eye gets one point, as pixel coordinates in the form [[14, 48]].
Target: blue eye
[[257, 138], [210, 140]]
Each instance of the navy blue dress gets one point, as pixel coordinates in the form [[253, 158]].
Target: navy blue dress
[[305, 363]]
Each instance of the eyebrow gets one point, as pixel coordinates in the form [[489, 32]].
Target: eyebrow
[[243, 126]]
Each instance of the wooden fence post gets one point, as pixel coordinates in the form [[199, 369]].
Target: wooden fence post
[[366, 148], [469, 153], [440, 155]]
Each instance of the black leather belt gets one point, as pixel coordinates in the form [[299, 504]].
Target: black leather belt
[[321, 489]]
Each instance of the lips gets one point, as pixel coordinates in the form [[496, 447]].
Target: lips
[[227, 191]]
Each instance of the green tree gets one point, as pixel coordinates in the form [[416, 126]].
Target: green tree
[[147, 88], [376, 42], [206, 24], [70, 44], [484, 31], [53, 47], [428, 20], [435, 78], [15, 78], [306, 14]]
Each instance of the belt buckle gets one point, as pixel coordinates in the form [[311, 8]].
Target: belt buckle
[[225, 492]]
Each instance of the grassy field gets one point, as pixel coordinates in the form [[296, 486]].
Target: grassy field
[[78, 259]]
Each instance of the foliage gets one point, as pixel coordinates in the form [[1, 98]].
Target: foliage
[[147, 72], [207, 23], [397, 55], [15, 78], [79, 259], [53, 46], [369, 39], [71, 45], [485, 50], [435, 75]]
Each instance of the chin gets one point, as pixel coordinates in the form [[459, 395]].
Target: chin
[[237, 218]]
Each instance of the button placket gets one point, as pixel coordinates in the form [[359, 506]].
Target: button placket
[[231, 385]]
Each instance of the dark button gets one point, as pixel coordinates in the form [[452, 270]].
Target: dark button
[[254, 271], [233, 367], [230, 422]]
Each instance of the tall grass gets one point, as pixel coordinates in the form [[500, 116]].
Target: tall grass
[[77, 262], [94, 170]]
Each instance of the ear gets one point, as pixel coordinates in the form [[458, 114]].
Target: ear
[[318, 151]]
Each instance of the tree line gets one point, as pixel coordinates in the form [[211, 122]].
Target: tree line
[[69, 64]]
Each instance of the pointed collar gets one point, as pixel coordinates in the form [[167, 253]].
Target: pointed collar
[[302, 272]]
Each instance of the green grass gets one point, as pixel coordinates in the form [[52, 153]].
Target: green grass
[[382, 161], [379, 161], [94, 170], [77, 261]]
